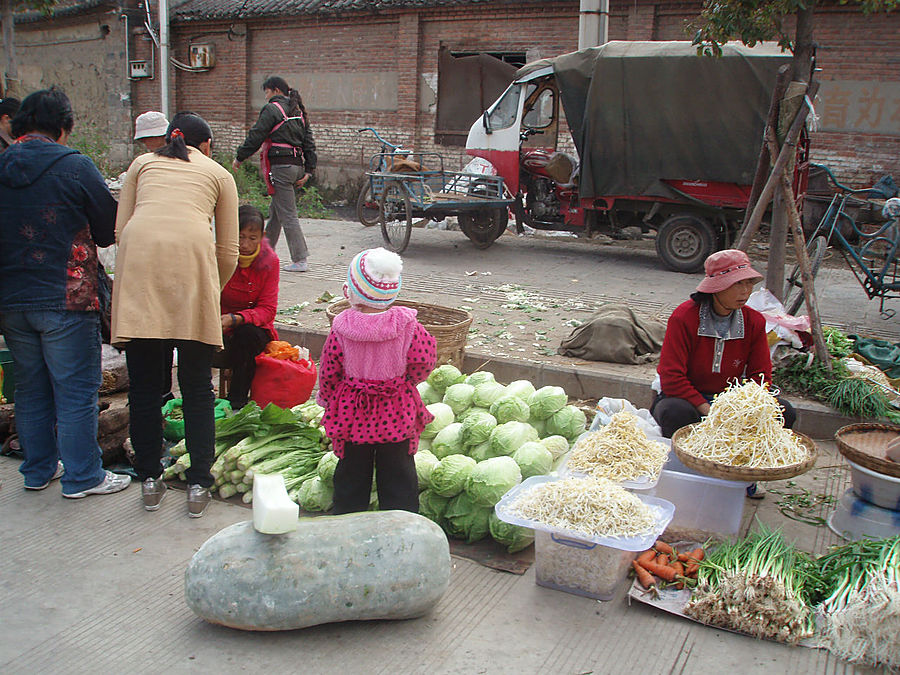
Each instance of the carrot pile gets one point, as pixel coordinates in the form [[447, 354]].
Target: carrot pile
[[279, 349], [665, 564]]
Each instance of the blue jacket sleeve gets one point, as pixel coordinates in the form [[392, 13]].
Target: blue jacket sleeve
[[99, 204]]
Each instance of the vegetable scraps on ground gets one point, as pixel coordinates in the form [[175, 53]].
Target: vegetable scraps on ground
[[745, 427]]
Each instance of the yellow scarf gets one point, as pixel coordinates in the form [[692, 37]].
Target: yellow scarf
[[247, 260]]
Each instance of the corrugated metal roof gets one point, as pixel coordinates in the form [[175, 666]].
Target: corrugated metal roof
[[236, 9]]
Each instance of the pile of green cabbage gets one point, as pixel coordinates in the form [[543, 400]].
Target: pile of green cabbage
[[484, 440]]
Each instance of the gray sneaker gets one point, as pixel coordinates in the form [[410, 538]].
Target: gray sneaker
[[297, 266], [113, 482], [198, 498], [153, 491], [60, 470]]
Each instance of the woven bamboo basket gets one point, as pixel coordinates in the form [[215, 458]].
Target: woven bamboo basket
[[865, 444], [450, 327], [742, 473]]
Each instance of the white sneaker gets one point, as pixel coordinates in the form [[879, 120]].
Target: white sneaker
[[60, 470], [113, 482], [299, 266]]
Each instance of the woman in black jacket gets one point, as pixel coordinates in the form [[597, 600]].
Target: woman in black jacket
[[287, 159]]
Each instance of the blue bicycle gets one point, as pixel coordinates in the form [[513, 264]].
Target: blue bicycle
[[367, 204], [873, 260]]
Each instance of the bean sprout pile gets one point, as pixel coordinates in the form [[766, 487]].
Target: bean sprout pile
[[594, 507], [619, 451], [745, 427]]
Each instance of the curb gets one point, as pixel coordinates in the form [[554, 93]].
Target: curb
[[814, 419]]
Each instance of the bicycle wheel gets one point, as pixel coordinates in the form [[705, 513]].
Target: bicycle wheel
[[396, 216], [367, 211], [793, 285]]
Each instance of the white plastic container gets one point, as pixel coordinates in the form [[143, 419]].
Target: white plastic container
[[273, 510], [875, 488], [701, 503], [580, 567]]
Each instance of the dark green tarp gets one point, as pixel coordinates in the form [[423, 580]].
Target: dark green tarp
[[640, 112]]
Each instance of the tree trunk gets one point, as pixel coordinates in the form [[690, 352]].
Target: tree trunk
[[10, 83], [803, 44]]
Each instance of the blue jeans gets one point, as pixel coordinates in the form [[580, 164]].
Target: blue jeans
[[56, 356]]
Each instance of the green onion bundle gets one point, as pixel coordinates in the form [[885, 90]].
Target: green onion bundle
[[755, 586], [862, 613]]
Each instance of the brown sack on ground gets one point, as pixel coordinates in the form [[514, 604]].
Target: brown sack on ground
[[617, 335]]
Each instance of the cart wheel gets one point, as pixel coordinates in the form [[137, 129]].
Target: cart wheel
[[396, 216], [684, 242], [367, 211], [793, 285], [484, 226]]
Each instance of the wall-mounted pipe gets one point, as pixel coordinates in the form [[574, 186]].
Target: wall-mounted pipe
[[164, 56]]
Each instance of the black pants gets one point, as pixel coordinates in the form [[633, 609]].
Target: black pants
[[146, 361], [242, 346], [673, 413], [398, 486]]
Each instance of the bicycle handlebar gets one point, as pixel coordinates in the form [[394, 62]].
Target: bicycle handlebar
[[837, 182], [383, 142]]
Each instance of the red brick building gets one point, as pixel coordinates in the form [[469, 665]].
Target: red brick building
[[376, 63]]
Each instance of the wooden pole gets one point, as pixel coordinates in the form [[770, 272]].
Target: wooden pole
[[809, 294], [789, 148], [762, 165]]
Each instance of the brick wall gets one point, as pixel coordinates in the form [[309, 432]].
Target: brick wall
[[393, 57]]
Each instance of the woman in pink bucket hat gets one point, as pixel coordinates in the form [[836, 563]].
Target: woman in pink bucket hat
[[712, 340]]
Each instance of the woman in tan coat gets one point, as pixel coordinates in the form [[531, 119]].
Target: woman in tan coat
[[170, 270]]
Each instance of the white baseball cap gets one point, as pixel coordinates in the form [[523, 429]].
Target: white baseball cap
[[150, 123]]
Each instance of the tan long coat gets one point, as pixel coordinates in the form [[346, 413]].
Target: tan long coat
[[170, 268]]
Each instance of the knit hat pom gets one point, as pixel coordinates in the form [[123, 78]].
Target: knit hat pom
[[373, 278]]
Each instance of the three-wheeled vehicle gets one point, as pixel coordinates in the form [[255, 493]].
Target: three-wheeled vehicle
[[666, 140]]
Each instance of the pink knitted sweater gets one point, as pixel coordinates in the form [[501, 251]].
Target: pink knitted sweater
[[368, 373]]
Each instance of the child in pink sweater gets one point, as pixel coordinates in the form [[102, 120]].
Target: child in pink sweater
[[372, 361]]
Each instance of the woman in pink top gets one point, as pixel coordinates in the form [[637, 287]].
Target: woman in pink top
[[372, 361]]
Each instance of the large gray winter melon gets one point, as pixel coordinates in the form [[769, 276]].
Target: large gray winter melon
[[373, 565]]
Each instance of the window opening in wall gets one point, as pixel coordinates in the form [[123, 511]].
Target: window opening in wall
[[469, 83]]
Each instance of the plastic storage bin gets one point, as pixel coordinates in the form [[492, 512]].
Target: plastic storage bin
[[578, 566], [876, 488], [701, 503]]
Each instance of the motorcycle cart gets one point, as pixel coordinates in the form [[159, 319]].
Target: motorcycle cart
[[416, 186]]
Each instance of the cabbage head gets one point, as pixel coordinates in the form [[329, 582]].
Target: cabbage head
[[477, 427], [533, 459], [506, 438], [486, 393], [432, 506], [474, 409], [325, 469], [448, 441], [557, 445], [510, 408], [314, 496], [459, 397], [480, 452], [546, 401], [569, 422], [491, 479], [449, 477], [513, 537], [540, 426], [428, 393], [425, 463], [443, 415], [464, 519], [424, 444], [443, 376], [480, 377], [521, 388]]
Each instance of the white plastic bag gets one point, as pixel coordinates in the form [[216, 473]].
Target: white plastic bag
[[607, 407]]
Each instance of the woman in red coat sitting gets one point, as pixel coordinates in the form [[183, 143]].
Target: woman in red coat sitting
[[249, 302], [712, 340]]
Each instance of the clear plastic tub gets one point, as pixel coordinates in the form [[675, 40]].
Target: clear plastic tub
[[702, 503], [580, 567], [663, 512], [639, 483]]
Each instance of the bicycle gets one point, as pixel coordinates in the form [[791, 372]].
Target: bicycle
[[873, 262], [367, 203]]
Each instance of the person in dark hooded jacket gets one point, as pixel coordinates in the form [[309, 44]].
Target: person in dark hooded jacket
[[56, 210]]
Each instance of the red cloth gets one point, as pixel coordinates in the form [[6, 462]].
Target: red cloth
[[252, 292], [686, 361]]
